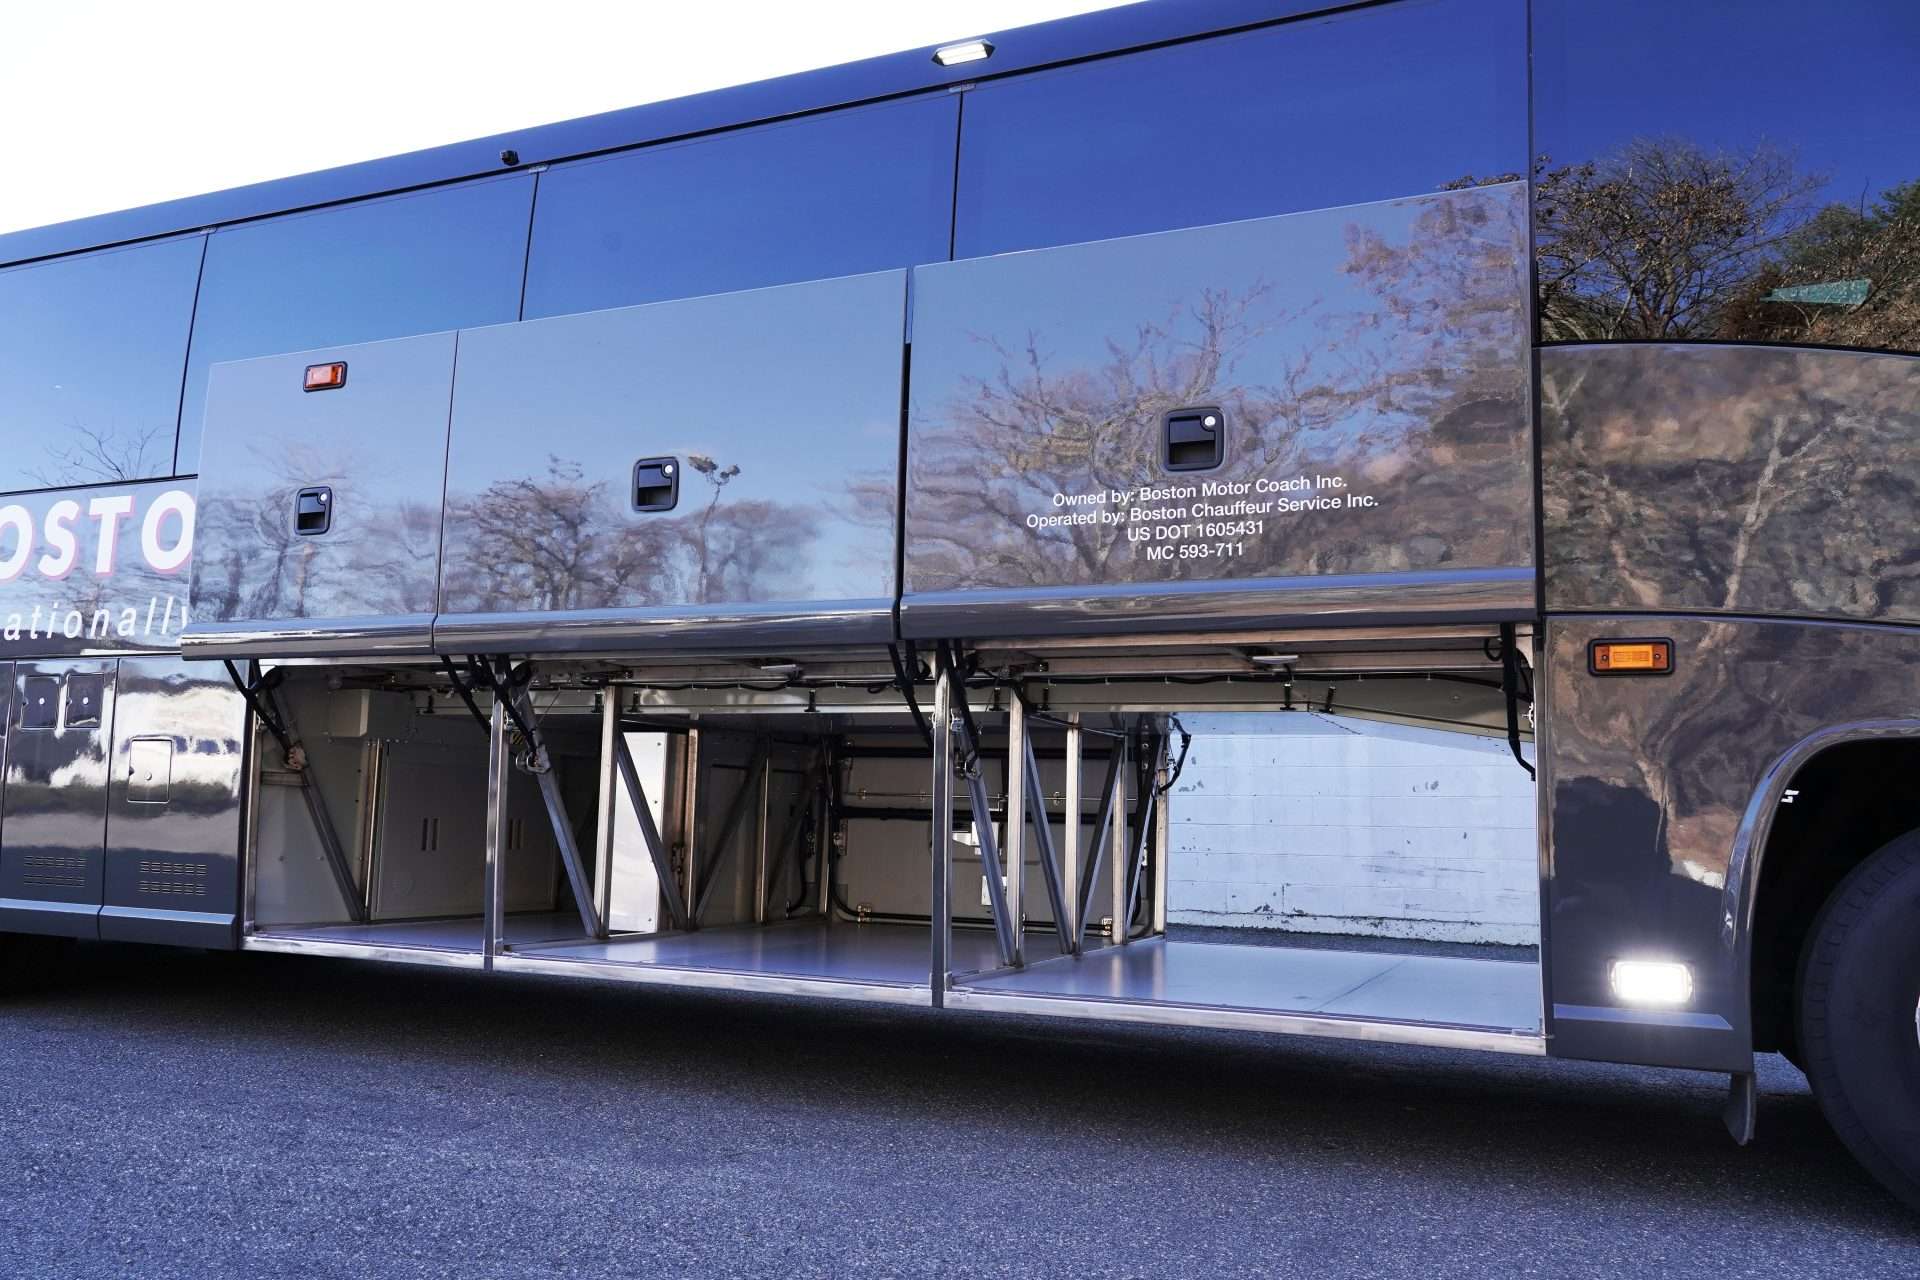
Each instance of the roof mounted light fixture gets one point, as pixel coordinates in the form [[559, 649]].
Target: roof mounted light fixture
[[952, 55]]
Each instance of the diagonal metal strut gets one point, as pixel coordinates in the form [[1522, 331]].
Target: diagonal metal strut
[[562, 826], [1043, 835], [1003, 925], [1116, 762], [650, 834]]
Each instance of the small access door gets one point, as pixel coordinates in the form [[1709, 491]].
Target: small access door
[[172, 870], [55, 806]]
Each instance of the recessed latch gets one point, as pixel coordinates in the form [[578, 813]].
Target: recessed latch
[[656, 484], [1193, 439], [313, 510]]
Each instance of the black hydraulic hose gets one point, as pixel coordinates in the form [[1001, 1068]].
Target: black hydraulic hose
[[1180, 761], [466, 695], [949, 660], [259, 700], [905, 680], [1510, 678]]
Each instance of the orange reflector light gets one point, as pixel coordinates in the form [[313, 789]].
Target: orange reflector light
[[325, 377], [1630, 657]]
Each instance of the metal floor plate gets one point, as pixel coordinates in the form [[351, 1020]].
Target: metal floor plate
[[454, 933], [1497, 995], [874, 954]]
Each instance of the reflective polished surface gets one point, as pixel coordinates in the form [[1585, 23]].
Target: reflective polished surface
[[1731, 479], [1336, 109], [837, 194], [1650, 781], [422, 262], [1374, 985], [91, 354], [780, 410], [1673, 202], [1371, 368], [378, 444], [56, 797], [172, 871]]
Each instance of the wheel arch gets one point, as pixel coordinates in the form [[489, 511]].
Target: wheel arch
[[1777, 850]]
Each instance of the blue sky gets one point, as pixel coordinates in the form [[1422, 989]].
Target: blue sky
[[1838, 81]]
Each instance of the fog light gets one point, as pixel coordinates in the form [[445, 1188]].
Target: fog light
[[1650, 983]]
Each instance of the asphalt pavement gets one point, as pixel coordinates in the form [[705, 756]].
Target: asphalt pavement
[[191, 1114]]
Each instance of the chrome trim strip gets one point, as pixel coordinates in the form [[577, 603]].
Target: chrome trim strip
[[1314, 600], [1295, 1024], [407, 635], [363, 951], [678, 628]]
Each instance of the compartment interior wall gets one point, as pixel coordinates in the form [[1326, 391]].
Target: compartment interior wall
[[406, 794], [885, 865]]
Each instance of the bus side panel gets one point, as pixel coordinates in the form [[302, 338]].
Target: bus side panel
[[1649, 779], [1254, 423], [319, 520], [701, 472], [172, 871], [1731, 479], [55, 819]]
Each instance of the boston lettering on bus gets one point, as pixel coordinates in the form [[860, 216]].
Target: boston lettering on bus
[[95, 570]]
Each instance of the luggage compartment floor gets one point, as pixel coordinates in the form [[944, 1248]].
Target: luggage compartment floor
[[1455, 991], [893, 954], [450, 933]]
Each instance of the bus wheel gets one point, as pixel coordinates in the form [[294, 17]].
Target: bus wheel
[[1859, 1014]]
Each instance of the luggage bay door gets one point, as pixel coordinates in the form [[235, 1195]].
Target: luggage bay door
[[320, 492], [1252, 424], [55, 822], [704, 473]]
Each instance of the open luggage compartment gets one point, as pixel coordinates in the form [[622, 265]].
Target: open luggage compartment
[[765, 824]]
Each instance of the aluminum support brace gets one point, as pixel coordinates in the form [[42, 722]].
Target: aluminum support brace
[[330, 847], [1136, 865], [562, 827], [493, 888], [1116, 763], [1015, 780], [650, 833], [940, 827], [1043, 835], [989, 851]]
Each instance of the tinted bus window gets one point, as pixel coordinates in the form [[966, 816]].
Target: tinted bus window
[[1740, 172], [384, 269], [834, 195], [91, 351], [1369, 105]]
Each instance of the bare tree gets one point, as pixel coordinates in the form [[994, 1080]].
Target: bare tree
[[103, 455], [1653, 240]]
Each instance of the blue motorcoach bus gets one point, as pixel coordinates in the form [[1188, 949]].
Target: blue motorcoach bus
[[769, 540]]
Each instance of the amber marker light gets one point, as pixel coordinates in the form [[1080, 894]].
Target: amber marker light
[[326, 377], [1630, 658]]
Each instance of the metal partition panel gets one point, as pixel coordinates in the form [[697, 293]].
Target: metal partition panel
[[56, 798], [1262, 421], [172, 871], [352, 574], [709, 472]]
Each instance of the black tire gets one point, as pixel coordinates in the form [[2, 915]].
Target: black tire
[[1858, 1010]]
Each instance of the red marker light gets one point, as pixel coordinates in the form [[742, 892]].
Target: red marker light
[[325, 377]]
